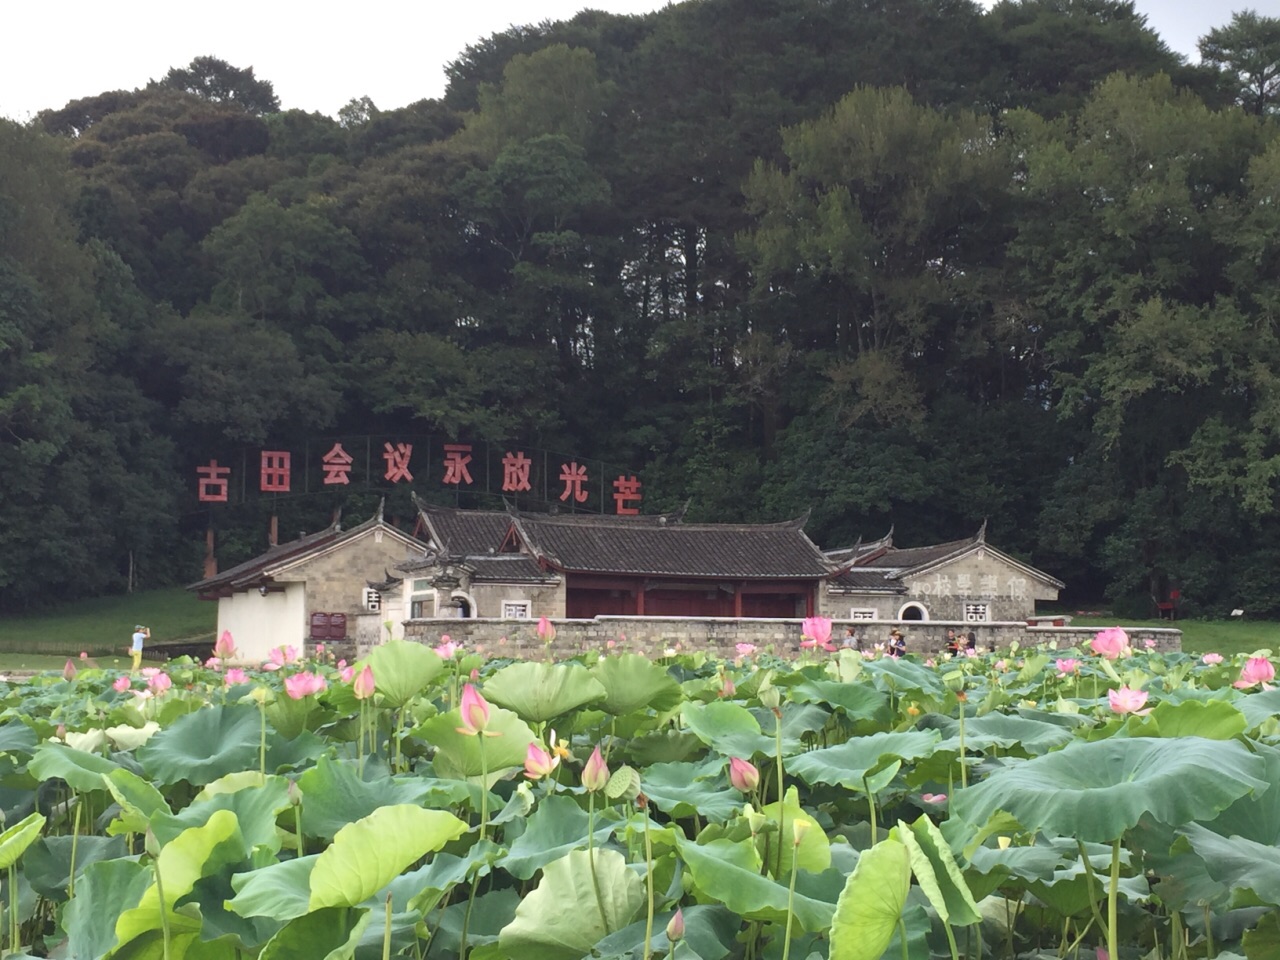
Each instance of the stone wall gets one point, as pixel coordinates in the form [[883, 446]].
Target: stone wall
[[720, 636], [335, 579]]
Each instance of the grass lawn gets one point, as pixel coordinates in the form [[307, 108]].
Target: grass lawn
[[103, 626]]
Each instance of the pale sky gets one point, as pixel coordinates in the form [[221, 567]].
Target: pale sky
[[320, 55]]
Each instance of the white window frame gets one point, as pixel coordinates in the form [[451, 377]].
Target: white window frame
[[902, 611], [977, 611], [517, 610], [864, 613], [372, 600]]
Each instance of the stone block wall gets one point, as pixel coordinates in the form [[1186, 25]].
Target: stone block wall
[[654, 636]]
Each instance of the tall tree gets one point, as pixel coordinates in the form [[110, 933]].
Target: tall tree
[[219, 82], [1247, 51]]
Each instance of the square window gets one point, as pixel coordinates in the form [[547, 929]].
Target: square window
[[422, 608], [862, 613], [421, 586], [515, 609]]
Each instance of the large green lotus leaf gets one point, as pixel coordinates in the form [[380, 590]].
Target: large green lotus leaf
[[728, 872], [47, 865], [709, 932], [82, 770], [871, 903], [662, 746], [543, 929], [333, 795], [540, 691], [106, 890], [1259, 707], [797, 720], [633, 682], [255, 807], [557, 827], [1212, 720], [285, 754], [327, 934], [490, 914], [367, 854], [280, 891], [814, 851], [1030, 738], [898, 675], [728, 728], [1237, 862], [1096, 791], [15, 841], [462, 752], [677, 790], [1263, 941], [193, 854], [403, 670], [138, 800], [848, 763], [200, 747], [288, 716], [937, 873], [17, 738], [857, 701]]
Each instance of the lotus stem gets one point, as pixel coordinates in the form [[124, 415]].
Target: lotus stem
[[484, 789], [648, 882], [902, 935], [951, 941], [386, 933], [466, 917], [297, 828], [591, 859], [262, 738], [964, 770], [871, 807], [13, 908], [1211, 952], [791, 900], [782, 813], [1090, 882], [360, 739], [1113, 897], [75, 841]]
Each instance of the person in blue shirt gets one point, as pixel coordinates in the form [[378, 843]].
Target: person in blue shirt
[[141, 634]]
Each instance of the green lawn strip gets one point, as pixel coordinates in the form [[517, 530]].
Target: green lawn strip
[[102, 626]]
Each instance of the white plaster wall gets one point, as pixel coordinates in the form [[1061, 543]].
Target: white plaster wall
[[259, 623]]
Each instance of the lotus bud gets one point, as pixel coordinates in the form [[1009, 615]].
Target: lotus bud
[[69, 671], [150, 843], [743, 775], [595, 775], [675, 926], [362, 684], [475, 711], [295, 794], [798, 829], [756, 820]]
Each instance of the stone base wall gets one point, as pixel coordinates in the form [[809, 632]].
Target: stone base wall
[[654, 636]]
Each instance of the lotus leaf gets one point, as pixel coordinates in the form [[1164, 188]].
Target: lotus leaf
[[327, 934], [15, 841], [461, 753], [1096, 791], [557, 827], [871, 903], [849, 763], [544, 930], [729, 729], [83, 771], [632, 682], [200, 747], [333, 795], [402, 670]]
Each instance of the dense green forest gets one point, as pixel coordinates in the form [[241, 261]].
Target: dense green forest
[[904, 261]]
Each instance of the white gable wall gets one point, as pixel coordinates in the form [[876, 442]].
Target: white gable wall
[[259, 623]]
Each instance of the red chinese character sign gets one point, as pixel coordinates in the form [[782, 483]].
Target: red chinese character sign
[[515, 472], [337, 466], [574, 476], [456, 458], [274, 476], [212, 482], [397, 458], [627, 489]]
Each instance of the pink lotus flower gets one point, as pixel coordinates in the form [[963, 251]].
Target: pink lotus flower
[[1110, 643], [933, 797], [743, 775], [1127, 700], [930, 662], [270, 666], [235, 675], [610, 644], [347, 674], [84, 655], [817, 629], [675, 928], [150, 672], [304, 684], [546, 630], [745, 649], [1149, 643], [1000, 666], [362, 685], [1211, 658], [727, 688], [341, 663], [69, 671], [475, 713], [159, 683], [1255, 671], [447, 649], [213, 663], [225, 648], [319, 649], [1067, 666], [596, 773], [538, 763], [121, 684]]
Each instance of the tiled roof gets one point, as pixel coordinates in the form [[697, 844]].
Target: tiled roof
[[910, 557], [508, 568], [621, 545], [861, 579], [464, 532]]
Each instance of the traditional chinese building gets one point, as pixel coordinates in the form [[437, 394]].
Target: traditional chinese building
[[325, 586], [965, 580], [499, 564]]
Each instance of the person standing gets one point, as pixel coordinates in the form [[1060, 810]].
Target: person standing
[[141, 635]]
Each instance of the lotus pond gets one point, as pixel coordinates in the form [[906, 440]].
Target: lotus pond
[[1031, 804]]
